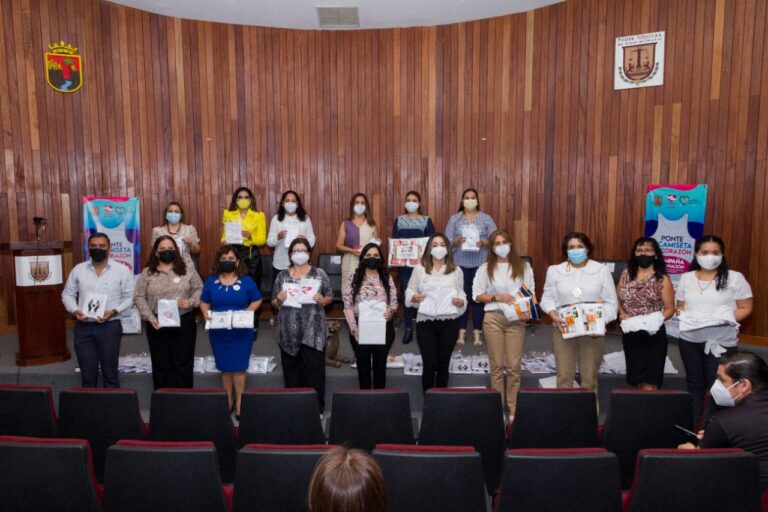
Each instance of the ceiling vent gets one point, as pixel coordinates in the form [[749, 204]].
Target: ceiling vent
[[338, 17]]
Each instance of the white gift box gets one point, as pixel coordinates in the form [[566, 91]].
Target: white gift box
[[168, 313], [94, 305], [233, 232], [371, 323], [242, 319]]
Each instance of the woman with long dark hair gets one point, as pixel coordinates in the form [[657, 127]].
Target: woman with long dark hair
[[358, 229], [290, 223], [167, 276], [711, 302], [253, 230], [185, 235], [370, 283], [646, 300]]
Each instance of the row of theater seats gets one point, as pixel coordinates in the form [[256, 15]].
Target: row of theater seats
[[48, 475], [361, 419]]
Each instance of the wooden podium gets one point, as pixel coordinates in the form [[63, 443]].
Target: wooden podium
[[39, 312]]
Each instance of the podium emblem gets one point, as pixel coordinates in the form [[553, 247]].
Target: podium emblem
[[40, 271]]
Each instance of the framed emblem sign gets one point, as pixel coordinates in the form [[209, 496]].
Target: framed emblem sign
[[639, 61], [63, 67]]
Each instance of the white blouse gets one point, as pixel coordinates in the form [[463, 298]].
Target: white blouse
[[566, 284], [281, 260], [502, 282], [421, 281]]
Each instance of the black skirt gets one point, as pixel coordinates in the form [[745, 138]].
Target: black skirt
[[645, 355]]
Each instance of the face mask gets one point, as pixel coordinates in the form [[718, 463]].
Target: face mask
[[167, 256], [438, 253], [97, 255], [290, 207], [412, 206], [502, 251], [709, 261], [470, 204], [644, 261], [243, 204], [299, 258], [359, 209], [227, 266], [721, 394], [372, 263], [173, 217], [577, 256]]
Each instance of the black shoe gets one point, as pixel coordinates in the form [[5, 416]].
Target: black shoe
[[408, 336], [237, 417]]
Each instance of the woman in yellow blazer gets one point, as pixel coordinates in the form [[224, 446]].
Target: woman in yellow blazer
[[252, 233]]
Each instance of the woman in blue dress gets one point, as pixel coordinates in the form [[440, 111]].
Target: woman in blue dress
[[230, 289], [412, 224]]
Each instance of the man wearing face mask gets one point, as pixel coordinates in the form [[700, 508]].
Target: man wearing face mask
[[97, 338], [712, 300], [741, 388]]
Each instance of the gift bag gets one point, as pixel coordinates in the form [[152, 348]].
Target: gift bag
[[168, 313], [371, 323]]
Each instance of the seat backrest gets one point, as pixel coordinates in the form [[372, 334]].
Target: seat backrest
[[616, 267], [637, 420], [196, 415], [554, 418], [364, 418], [146, 476], [280, 416], [573, 479], [27, 411], [47, 475], [275, 477], [331, 264], [466, 417], [101, 416], [444, 478], [705, 480]]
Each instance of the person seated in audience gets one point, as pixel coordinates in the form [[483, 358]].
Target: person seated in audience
[[742, 388], [347, 481]]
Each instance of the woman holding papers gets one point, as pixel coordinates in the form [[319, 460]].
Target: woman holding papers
[[498, 284], [411, 224], [354, 233], [301, 293], [711, 302], [468, 231], [185, 235], [246, 229], [646, 300], [166, 294], [436, 288], [230, 289], [370, 301], [587, 288], [290, 223]]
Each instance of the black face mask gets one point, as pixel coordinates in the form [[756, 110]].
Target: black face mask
[[645, 260], [372, 263], [227, 266], [167, 256], [97, 255]]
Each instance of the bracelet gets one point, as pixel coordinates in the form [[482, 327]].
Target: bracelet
[[493, 298]]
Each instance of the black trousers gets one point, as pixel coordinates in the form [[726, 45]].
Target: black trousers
[[305, 370], [700, 372], [172, 350], [252, 260], [98, 346], [373, 358], [436, 339]]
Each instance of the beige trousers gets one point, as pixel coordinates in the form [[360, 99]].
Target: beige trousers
[[505, 341], [585, 350]]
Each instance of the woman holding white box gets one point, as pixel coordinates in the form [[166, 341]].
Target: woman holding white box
[[584, 282], [496, 285], [290, 223], [437, 321], [301, 294], [169, 282], [230, 289]]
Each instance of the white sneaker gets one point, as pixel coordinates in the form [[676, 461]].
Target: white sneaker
[[462, 338]]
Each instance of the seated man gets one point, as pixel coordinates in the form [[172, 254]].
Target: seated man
[[742, 387]]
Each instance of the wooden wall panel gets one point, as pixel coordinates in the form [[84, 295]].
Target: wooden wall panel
[[521, 107]]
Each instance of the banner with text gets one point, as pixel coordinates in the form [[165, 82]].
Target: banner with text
[[118, 218], [674, 216]]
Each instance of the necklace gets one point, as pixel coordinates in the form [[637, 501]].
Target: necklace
[[702, 288]]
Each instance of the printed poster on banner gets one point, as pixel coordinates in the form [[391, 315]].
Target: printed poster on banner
[[639, 61], [674, 216], [118, 218]]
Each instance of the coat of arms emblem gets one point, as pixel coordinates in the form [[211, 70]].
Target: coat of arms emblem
[[63, 67]]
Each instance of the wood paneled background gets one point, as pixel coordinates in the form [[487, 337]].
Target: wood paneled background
[[521, 107]]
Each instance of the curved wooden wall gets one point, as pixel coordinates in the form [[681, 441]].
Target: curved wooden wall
[[520, 106]]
